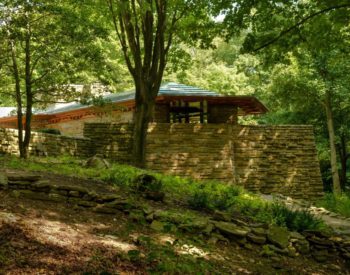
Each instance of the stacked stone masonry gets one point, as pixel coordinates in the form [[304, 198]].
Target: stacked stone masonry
[[267, 159], [45, 144]]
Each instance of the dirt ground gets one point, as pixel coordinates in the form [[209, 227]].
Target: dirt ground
[[39, 237]]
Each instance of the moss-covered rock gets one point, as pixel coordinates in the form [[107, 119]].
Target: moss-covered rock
[[230, 230], [256, 238], [278, 236], [101, 208]]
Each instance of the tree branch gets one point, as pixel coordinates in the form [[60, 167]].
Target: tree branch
[[121, 38], [301, 22]]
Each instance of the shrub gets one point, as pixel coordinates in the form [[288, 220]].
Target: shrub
[[212, 195], [199, 200], [297, 220]]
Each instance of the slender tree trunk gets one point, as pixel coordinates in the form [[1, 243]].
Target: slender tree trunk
[[330, 125], [18, 98], [29, 96], [343, 154], [142, 116]]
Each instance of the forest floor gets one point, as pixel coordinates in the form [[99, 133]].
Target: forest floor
[[38, 237]]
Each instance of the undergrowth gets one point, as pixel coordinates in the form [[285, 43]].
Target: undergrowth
[[205, 196], [336, 203]]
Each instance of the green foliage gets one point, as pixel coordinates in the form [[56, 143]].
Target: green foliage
[[296, 220], [199, 200], [213, 195], [336, 203], [120, 175]]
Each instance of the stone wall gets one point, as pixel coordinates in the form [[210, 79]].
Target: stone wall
[[45, 144], [277, 159], [112, 140], [202, 151], [267, 159], [263, 159]]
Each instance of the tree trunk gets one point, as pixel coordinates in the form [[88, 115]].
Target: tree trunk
[[334, 165], [29, 96], [142, 116], [18, 98], [343, 154]]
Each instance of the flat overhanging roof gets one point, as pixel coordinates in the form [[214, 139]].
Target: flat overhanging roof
[[248, 105]]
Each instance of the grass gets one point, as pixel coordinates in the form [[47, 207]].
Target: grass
[[336, 203], [206, 196]]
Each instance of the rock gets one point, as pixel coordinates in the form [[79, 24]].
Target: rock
[[43, 185], [57, 197], [239, 222], [19, 184], [40, 196], [3, 181], [74, 194], [231, 230], [336, 239], [81, 202], [221, 216], [320, 255], [101, 198], [292, 251], [302, 247], [157, 226], [92, 195], [23, 177], [319, 241], [318, 233], [120, 204], [256, 239], [59, 192], [278, 236], [296, 235], [86, 203], [97, 163], [101, 208], [259, 231], [78, 188], [215, 237], [196, 225], [278, 250]]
